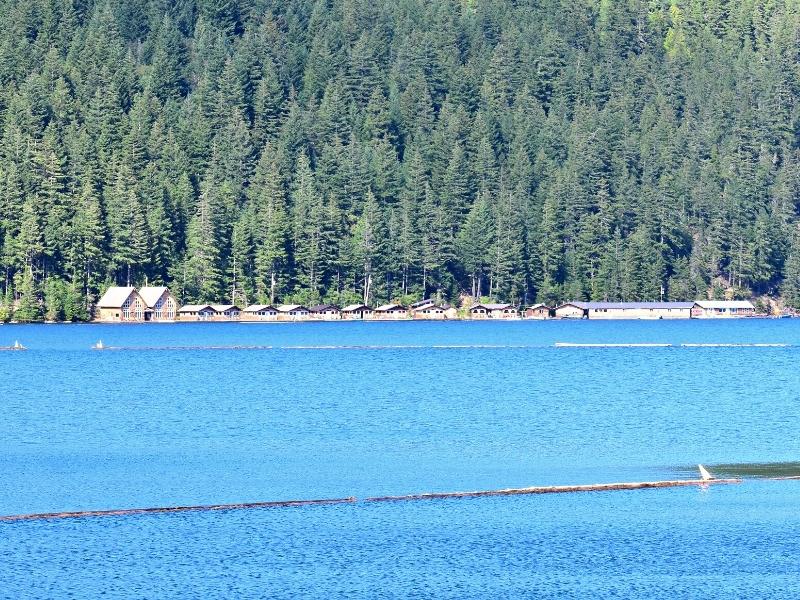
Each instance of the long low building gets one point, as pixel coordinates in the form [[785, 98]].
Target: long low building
[[654, 310], [625, 310]]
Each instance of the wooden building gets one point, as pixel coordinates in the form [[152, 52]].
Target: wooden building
[[121, 304], [391, 312], [571, 310], [292, 312], [159, 303], [226, 312], [493, 311], [357, 312], [429, 311], [197, 312], [259, 312], [325, 312], [716, 309], [538, 311]]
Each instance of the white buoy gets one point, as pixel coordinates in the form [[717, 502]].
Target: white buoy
[[704, 474]]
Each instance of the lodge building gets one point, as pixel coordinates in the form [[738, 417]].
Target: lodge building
[[160, 304], [121, 304]]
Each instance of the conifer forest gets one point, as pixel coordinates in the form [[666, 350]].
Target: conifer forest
[[375, 150]]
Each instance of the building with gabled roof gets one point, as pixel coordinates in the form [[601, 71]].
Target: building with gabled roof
[[121, 304], [160, 304], [292, 312], [493, 311], [538, 311], [430, 311], [356, 312], [391, 311], [260, 312], [715, 309], [421, 303], [325, 312], [226, 312], [197, 312]]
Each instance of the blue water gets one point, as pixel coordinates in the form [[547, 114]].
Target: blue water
[[359, 409]]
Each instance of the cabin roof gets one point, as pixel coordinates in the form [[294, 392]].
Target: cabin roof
[[725, 304], [322, 308], [115, 297], [540, 305], [260, 308], [291, 307], [225, 307], [421, 303], [194, 307], [422, 306], [491, 306], [151, 294], [355, 308], [391, 306]]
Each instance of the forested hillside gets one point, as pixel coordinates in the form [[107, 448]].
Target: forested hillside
[[346, 150]]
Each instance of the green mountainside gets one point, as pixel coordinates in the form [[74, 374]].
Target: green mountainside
[[367, 150]]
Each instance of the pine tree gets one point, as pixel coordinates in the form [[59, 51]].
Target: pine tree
[[169, 62], [307, 208], [29, 307], [367, 244], [271, 228], [202, 277], [474, 243]]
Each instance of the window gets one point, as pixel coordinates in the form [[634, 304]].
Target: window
[[126, 309]]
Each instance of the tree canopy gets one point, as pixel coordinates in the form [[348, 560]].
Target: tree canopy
[[370, 150]]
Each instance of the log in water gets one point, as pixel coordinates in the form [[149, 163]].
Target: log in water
[[556, 489], [122, 512]]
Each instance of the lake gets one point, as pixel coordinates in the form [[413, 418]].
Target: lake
[[323, 410]]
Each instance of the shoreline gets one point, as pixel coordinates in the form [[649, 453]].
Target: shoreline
[[373, 320]]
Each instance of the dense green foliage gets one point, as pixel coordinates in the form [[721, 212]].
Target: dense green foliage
[[374, 149]]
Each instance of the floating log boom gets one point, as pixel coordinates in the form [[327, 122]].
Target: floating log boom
[[556, 489], [124, 512]]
